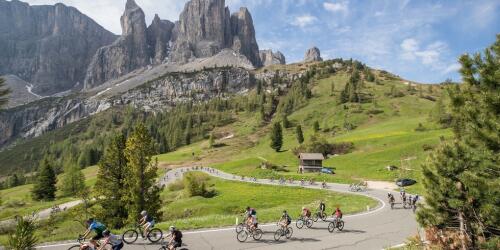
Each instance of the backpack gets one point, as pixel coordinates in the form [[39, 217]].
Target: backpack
[[253, 211], [178, 234]]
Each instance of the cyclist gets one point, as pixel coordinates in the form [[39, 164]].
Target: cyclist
[[402, 192], [285, 221], [176, 238], [147, 222], [98, 228], [321, 209], [252, 218], [306, 213], [114, 240], [337, 214]]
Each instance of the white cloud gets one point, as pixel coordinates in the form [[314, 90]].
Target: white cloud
[[304, 20], [336, 7], [453, 68]]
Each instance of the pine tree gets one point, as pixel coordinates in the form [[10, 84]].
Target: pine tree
[[276, 137], [286, 122], [142, 192], [259, 87], [299, 134], [4, 92], [211, 140], [110, 188], [45, 185], [461, 177], [23, 237], [73, 181], [316, 126]]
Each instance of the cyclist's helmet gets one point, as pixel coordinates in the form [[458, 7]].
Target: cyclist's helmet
[[144, 213], [303, 208], [172, 228], [89, 221], [284, 211], [248, 208], [106, 233]]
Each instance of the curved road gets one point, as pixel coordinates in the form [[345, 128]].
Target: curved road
[[378, 228]]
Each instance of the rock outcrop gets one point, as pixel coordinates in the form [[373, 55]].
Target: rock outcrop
[[129, 52], [159, 35], [48, 46], [206, 27], [313, 55], [268, 57], [44, 115], [243, 33]]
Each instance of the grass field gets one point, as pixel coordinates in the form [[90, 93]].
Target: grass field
[[233, 197]]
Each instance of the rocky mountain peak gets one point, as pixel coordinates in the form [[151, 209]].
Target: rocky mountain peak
[[133, 19], [268, 57], [206, 27], [313, 55]]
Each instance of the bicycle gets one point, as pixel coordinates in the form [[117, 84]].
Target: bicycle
[[241, 226], [336, 223], [81, 243], [130, 236], [166, 245], [302, 220], [319, 215], [323, 185], [243, 235], [279, 233]]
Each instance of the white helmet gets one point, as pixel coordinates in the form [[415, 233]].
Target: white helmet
[[144, 213], [172, 228]]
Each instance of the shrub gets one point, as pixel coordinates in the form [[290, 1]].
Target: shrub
[[420, 128], [374, 111], [196, 185], [427, 147]]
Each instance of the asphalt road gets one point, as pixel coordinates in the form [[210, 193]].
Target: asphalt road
[[377, 228]]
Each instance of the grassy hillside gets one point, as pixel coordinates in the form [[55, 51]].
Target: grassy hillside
[[388, 131]]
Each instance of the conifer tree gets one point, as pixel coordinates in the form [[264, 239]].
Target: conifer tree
[[110, 188], [286, 122], [276, 137], [211, 140], [73, 181], [461, 177], [45, 184], [23, 237], [142, 191], [299, 134], [4, 92], [316, 126]]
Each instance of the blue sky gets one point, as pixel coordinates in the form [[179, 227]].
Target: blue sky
[[416, 39]]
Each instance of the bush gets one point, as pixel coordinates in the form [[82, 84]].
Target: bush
[[271, 166], [374, 111], [196, 185], [427, 147], [420, 128]]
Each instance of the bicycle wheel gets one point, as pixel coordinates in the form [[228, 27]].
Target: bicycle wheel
[[289, 232], [331, 227], [309, 223], [315, 217], [155, 235], [323, 216], [257, 235], [240, 227], [242, 236], [75, 247], [278, 234], [340, 225], [299, 223], [130, 236]]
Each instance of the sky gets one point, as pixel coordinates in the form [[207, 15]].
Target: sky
[[419, 40]]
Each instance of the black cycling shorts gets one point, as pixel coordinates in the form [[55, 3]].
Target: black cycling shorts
[[177, 243], [98, 236]]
